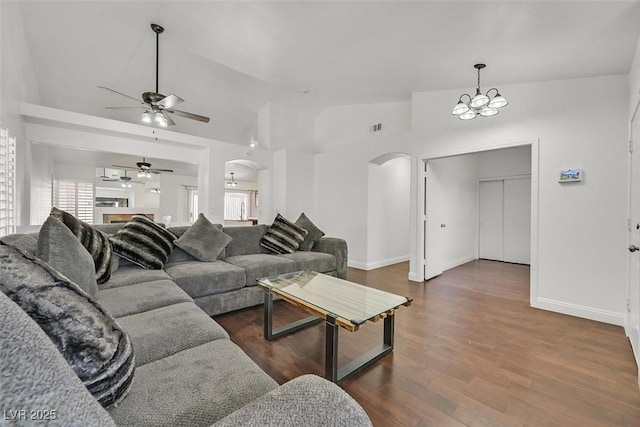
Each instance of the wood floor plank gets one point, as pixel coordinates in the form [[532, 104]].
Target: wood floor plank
[[469, 351]]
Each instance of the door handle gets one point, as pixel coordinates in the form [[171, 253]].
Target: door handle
[[633, 248]]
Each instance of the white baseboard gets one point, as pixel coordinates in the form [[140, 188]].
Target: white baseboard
[[377, 264], [414, 277], [451, 264], [590, 313]]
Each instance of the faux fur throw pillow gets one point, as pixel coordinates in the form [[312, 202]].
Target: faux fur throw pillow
[[93, 240], [143, 242], [95, 346], [283, 237]]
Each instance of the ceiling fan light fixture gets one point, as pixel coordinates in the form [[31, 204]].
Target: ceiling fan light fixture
[[160, 119], [146, 117]]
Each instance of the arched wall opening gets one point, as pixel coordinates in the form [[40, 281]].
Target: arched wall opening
[[388, 210], [246, 185]]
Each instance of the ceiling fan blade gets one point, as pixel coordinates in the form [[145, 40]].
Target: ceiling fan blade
[[110, 179], [120, 93], [125, 167], [155, 170], [118, 108], [189, 115], [169, 101]]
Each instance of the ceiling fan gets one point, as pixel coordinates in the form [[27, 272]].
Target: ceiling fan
[[125, 180], [144, 169], [158, 107]]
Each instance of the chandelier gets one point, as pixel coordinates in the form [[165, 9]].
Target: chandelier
[[231, 182], [481, 104]]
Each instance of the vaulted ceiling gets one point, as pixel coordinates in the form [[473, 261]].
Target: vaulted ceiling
[[228, 59]]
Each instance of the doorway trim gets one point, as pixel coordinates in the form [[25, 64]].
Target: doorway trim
[[417, 272]]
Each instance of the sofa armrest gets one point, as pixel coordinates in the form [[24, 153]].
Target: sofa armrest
[[336, 247], [304, 401]]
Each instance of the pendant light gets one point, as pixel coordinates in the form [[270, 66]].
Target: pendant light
[[481, 104]]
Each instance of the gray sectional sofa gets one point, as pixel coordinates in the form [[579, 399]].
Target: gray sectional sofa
[[187, 370]]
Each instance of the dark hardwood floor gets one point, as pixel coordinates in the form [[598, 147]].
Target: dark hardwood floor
[[468, 351]]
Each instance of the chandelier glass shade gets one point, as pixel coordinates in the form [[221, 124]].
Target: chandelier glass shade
[[480, 104]]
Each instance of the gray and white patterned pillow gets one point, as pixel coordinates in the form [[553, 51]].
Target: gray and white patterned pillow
[[143, 242], [93, 240], [98, 350], [283, 237]]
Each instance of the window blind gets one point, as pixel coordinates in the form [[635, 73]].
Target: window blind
[[7, 182]]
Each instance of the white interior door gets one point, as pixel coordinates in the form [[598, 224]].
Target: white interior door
[[433, 236], [491, 212], [517, 220], [633, 304]]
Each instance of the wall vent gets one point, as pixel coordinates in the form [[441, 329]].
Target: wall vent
[[375, 128]]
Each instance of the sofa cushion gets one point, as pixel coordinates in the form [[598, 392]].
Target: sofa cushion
[[91, 341], [36, 376], [206, 278], [313, 232], [283, 237], [27, 242], [308, 401], [132, 274], [178, 255], [141, 297], [314, 261], [93, 240], [257, 266], [246, 240], [164, 331], [58, 247], [203, 240], [143, 242], [195, 387]]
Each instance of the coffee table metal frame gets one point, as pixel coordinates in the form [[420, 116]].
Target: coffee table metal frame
[[332, 324]]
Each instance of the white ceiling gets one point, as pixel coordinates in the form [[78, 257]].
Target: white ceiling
[[227, 59]]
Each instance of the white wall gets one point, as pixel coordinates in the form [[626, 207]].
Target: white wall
[[454, 184], [174, 198], [589, 219], [388, 213], [634, 81], [340, 126], [505, 162], [17, 84]]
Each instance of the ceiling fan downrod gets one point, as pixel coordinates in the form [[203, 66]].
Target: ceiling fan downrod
[[158, 29]]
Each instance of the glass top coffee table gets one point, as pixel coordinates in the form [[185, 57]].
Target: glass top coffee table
[[339, 303]]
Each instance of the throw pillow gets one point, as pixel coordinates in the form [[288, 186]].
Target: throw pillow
[[93, 240], [313, 233], [95, 346], [203, 240], [143, 242], [58, 247], [283, 237], [26, 242]]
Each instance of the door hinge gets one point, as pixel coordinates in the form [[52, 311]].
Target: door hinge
[[628, 305], [630, 146]]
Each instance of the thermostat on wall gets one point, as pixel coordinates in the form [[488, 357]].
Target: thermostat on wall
[[570, 175]]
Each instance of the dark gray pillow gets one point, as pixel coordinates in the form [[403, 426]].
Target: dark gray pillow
[[313, 233], [58, 247], [203, 240], [93, 240], [283, 237], [95, 346], [143, 242]]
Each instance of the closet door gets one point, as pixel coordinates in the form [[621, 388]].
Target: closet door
[[491, 237], [517, 220]]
